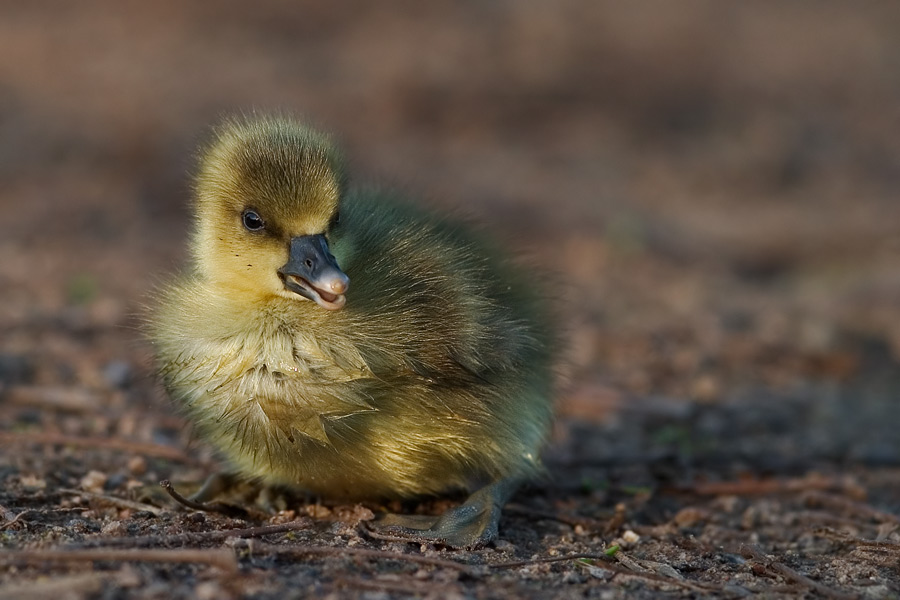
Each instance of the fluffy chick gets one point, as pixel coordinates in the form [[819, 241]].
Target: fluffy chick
[[344, 342]]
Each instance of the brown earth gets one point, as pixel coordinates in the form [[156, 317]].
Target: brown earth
[[716, 186]]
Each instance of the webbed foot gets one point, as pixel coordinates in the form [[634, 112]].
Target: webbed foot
[[471, 525]]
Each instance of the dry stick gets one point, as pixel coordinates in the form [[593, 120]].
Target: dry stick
[[684, 583], [892, 546], [506, 565], [368, 532], [141, 448], [15, 519], [19, 518], [73, 586], [215, 507], [120, 502], [392, 587], [830, 501], [551, 559], [848, 539], [54, 397], [198, 537], [298, 551], [752, 552], [756, 487], [218, 557], [548, 559], [825, 518], [167, 485], [7, 514]]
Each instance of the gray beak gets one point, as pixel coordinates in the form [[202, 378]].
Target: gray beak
[[312, 272]]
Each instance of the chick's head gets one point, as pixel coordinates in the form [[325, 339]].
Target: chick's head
[[267, 196]]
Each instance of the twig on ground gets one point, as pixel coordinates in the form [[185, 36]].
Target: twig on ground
[[140, 448], [838, 536], [873, 552], [547, 559], [304, 550], [115, 501], [612, 567], [202, 537], [216, 557], [860, 510], [216, 507], [167, 485], [761, 487], [551, 559], [754, 553], [79, 586], [67, 399], [20, 518], [823, 517], [7, 514], [366, 531], [424, 588], [16, 519]]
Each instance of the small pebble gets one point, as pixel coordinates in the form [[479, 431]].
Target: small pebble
[[93, 481], [317, 511], [114, 481], [209, 590], [137, 465], [283, 516], [630, 537], [114, 528], [32, 483]]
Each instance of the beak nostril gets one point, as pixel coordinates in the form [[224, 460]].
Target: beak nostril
[[313, 273]]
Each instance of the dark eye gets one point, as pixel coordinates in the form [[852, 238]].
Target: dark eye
[[336, 219], [252, 220]]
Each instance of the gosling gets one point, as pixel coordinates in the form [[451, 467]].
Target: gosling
[[346, 343]]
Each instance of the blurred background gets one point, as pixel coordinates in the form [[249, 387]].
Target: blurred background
[[715, 187], [715, 184]]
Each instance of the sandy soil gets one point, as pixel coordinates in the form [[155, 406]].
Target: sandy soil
[[715, 186]]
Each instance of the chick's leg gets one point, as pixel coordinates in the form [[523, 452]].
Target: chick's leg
[[231, 487], [216, 485], [473, 524]]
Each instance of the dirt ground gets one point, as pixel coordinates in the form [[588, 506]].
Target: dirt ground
[[716, 187]]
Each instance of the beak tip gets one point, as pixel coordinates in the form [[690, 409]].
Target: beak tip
[[340, 286]]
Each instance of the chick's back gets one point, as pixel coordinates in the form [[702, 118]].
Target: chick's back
[[446, 302]]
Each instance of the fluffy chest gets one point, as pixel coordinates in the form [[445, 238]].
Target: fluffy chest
[[267, 380]]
